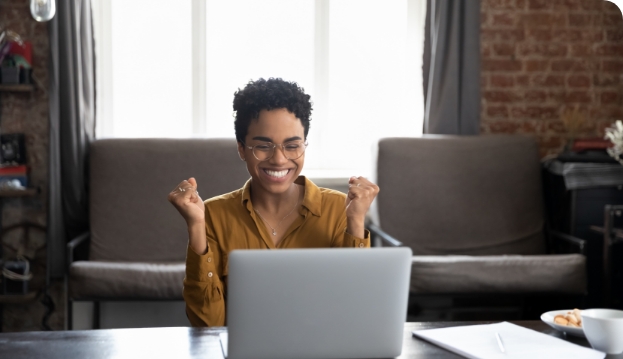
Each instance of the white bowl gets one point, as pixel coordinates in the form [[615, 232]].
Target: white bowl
[[548, 318], [604, 329]]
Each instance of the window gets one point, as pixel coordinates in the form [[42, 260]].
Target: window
[[170, 68]]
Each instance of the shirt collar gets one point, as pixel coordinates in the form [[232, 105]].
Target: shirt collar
[[312, 199]]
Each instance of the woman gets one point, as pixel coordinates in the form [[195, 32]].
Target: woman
[[276, 208]]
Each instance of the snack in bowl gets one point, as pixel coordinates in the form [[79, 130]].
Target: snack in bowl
[[571, 319]]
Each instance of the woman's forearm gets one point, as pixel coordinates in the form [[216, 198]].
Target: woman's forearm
[[197, 238], [355, 228]]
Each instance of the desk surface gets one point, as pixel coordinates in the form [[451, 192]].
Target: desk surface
[[189, 342]]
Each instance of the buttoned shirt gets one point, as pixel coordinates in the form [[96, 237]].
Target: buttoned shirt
[[231, 223]]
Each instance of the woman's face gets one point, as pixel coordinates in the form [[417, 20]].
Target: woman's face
[[278, 126]]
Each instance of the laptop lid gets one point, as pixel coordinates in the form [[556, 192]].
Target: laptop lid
[[317, 303]]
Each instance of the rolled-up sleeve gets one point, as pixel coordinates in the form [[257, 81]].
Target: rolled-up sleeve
[[344, 239], [203, 290]]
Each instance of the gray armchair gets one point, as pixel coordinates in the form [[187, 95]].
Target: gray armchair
[[137, 240], [471, 209]]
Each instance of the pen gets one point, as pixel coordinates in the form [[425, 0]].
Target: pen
[[497, 336]]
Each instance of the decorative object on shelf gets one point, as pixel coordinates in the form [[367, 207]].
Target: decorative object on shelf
[[42, 10], [15, 59], [12, 149], [615, 134], [16, 276], [573, 120]]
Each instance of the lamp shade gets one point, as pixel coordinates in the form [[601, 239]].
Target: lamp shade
[[618, 3]]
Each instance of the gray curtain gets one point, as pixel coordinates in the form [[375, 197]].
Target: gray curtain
[[72, 125], [451, 67]]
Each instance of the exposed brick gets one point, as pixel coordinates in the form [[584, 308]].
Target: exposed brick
[[539, 4], [544, 19], [500, 4], [535, 112], [507, 19], [522, 80], [536, 65], [502, 80], [497, 111], [485, 51], [558, 53], [580, 19], [605, 80], [609, 50], [609, 97], [501, 65], [535, 96], [612, 20], [548, 80], [504, 127], [502, 34], [615, 35], [548, 49], [579, 81], [578, 97], [504, 49], [539, 34], [581, 50], [566, 5], [499, 96], [612, 66], [569, 65]]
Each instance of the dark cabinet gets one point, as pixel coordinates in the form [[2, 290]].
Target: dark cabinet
[[576, 195]]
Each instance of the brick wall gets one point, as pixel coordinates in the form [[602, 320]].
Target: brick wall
[[541, 56]]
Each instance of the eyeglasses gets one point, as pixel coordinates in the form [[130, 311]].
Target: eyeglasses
[[291, 150]]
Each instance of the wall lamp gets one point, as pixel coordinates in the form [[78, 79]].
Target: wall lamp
[[42, 10]]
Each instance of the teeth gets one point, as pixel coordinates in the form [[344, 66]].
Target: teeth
[[277, 174]]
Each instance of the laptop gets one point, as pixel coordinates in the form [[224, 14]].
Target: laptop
[[317, 303]]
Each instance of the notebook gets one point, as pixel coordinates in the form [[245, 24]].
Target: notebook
[[480, 342], [317, 303]]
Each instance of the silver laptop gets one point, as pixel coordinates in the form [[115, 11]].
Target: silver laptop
[[317, 303]]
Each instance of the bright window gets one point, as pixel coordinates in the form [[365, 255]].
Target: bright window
[[170, 68]]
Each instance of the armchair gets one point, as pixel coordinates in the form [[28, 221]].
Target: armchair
[[137, 240], [471, 209]]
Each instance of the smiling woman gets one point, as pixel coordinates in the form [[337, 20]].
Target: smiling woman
[[276, 208]]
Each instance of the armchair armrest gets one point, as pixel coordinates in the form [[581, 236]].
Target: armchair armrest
[[575, 242], [71, 246], [376, 231]]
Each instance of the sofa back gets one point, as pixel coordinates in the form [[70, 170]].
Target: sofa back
[[130, 216], [462, 194]]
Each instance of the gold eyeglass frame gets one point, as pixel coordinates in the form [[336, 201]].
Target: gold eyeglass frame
[[252, 148]]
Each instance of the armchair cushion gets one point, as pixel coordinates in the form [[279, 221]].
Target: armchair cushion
[[499, 274], [121, 280]]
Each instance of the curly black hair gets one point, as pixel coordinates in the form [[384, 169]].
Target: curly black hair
[[270, 94]]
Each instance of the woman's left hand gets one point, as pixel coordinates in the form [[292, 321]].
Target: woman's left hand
[[361, 193]]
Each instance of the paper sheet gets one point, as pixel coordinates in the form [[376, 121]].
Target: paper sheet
[[479, 342], [223, 339]]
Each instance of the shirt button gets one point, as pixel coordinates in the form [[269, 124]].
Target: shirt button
[[209, 259], [360, 245], [210, 274]]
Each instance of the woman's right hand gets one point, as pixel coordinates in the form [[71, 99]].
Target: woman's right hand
[[186, 200]]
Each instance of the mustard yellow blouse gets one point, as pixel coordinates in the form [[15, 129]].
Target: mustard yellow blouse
[[231, 223]]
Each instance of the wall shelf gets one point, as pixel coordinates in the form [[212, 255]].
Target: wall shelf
[[19, 192], [18, 298], [17, 88]]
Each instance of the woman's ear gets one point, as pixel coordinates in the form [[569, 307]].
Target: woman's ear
[[241, 151]]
